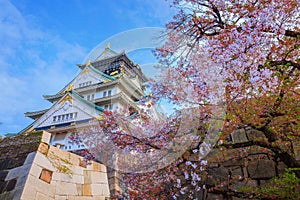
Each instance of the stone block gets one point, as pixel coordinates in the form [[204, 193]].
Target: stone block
[[46, 137], [217, 176], [56, 176], [72, 178], [98, 167], [82, 163], [239, 136], [254, 134], [43, 148], [87, 189], [79, 189], [232, 162], [94, 177], [281, 167], [77, 170], [237, 173], [63, 188], [39, 186], [61, 197], [261, 169], [35, 170], [100, 189], [43, 162], [100, 198], [74, 159], [58, 154], [84, 198], [41, 196], [46, 175]]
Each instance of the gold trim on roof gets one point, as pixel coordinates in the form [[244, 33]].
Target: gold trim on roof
[[107, 45], [88, 63], [67, 98]]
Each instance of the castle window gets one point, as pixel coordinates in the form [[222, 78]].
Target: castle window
[[109, 93], [104, 94], [93, 96], [71, 115], [88, 97], [54, 118], [108, 107]]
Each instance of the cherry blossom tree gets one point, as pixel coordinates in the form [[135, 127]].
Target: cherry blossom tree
[[245, 53]]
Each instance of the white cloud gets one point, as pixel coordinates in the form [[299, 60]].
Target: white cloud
[[32, 63]]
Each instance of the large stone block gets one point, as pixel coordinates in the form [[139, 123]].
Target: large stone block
[[236, 173], [43, 148], [63, 188], [34, 185], [41, 196], [79, 189], [254, 134], [239, 136], [46, 137], [95, 177], [97, 167], [35, 170], [100, 189], [261, 169], [217, 176], [77, 170], [43, 162], [87, 189], [72, 178]]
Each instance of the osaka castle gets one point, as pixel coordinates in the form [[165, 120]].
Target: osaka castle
[[109, 82]]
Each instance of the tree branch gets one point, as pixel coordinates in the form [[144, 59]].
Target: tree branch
[[290, 33]]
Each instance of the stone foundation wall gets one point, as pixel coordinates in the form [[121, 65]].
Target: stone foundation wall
[[39, 171], [229, 170]]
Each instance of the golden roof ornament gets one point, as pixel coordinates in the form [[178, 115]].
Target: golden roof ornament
[[70, 88], [88, 63], [107, 45]]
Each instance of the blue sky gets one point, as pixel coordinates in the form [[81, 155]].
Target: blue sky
[[42, 41]]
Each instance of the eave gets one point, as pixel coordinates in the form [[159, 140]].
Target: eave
[[36, 114]]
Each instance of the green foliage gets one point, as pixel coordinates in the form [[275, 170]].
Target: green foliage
[[286, 186]]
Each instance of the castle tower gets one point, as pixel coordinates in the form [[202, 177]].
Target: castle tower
[[111, 81]]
